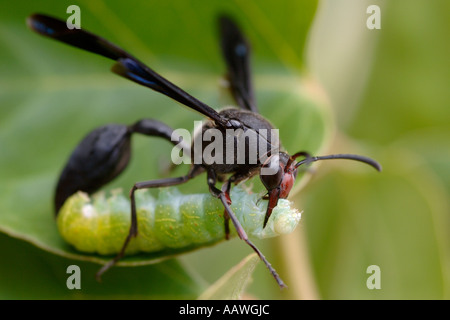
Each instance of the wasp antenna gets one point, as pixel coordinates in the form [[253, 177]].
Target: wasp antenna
[[367, 160]]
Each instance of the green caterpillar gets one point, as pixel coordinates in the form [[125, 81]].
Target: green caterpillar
[[173, 221]]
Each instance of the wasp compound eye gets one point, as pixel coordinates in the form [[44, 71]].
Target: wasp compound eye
[[272, 172]]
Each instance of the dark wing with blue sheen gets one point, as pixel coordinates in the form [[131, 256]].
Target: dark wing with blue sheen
[[236, 52], [57, 29], [138, 72], [126, 66]]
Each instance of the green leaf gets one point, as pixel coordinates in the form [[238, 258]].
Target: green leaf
[[233, 283], [30, 273]]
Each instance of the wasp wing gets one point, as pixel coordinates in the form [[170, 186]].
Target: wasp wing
[[127, 66], [236, 52]]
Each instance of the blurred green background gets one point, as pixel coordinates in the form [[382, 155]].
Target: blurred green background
[[328, 82]]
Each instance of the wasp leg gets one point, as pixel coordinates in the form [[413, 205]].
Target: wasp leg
[[211, 180], [225, 198], [243, 235], [226, 189]]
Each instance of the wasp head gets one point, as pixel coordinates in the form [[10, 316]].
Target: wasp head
[[279, 171]]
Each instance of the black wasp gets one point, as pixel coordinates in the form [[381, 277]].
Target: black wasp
[[104, 153]]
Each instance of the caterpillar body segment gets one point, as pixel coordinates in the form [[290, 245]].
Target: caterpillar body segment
[[99, 224]]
